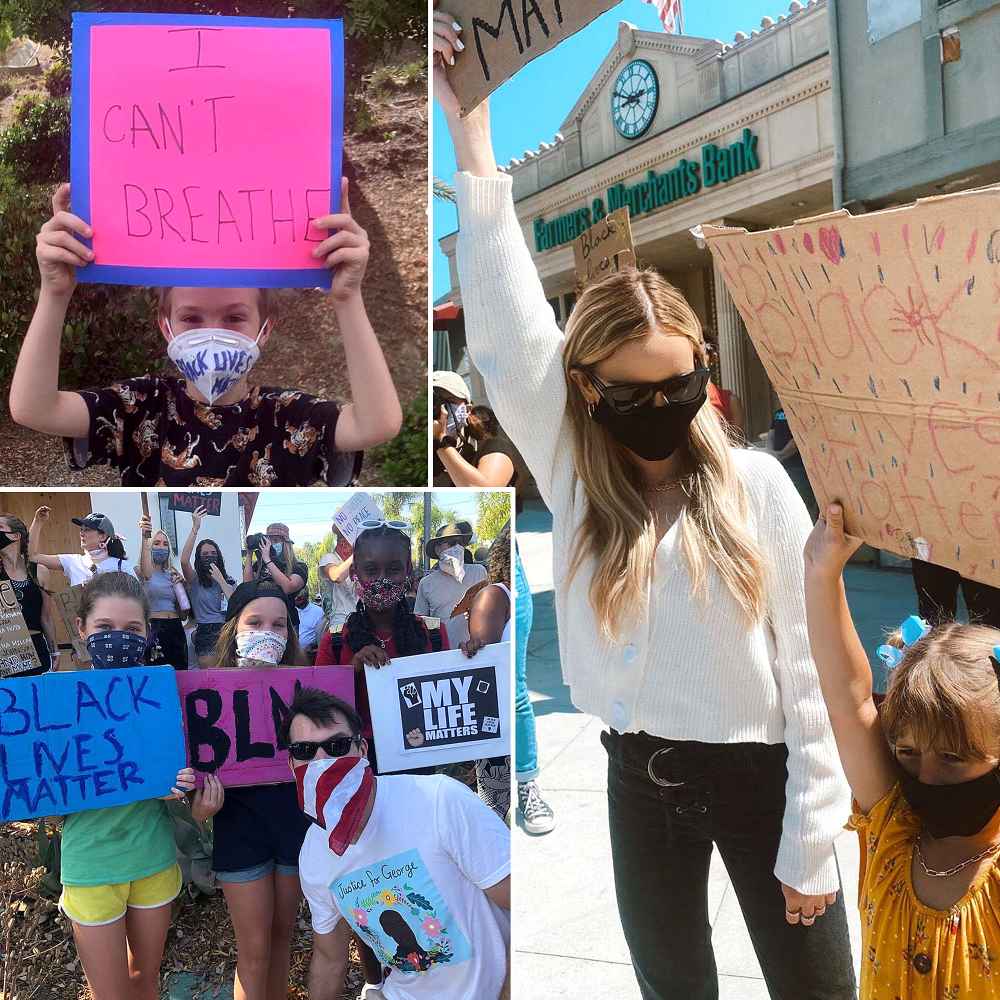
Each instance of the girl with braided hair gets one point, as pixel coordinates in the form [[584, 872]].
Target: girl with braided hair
[[383, 626]]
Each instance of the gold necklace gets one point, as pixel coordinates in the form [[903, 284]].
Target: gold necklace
[[665, 487], [933, 873]]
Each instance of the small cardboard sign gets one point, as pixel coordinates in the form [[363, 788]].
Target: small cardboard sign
[[501, 36], [17, 650], [68, 605], [879, 333], [361, 507], [212, 502], [87, 739], [202, 147], [604, 248], [232, 718], [438, 708]]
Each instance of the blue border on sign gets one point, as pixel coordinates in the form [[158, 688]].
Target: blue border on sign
[[236, 277]]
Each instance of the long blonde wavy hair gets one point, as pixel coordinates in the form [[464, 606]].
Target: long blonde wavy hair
[[618, 528]]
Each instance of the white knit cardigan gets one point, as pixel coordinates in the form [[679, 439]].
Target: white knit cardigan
[[693, 669]]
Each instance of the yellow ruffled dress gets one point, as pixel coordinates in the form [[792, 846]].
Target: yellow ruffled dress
[[909, 950]]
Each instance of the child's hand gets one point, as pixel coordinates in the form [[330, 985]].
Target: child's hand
[[185, 782], [346, 250], [369, 656], [828, 548], [209, 799], [471, 646], [58, 250], [446, 44]]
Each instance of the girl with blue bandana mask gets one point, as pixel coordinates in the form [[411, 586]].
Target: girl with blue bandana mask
[[120, 862]]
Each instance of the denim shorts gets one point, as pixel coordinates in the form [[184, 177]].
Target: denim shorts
[[258, 871], [259, 828]]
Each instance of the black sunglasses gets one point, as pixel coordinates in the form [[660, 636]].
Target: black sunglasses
[[335, 746], [623, 397]]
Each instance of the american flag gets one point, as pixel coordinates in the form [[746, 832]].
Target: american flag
[[670, 14], [335, 792]]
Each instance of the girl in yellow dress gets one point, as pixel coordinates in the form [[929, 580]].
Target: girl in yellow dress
[[926, 790]]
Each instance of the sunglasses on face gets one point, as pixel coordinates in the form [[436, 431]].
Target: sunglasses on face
[[334, 746], [624, 397]]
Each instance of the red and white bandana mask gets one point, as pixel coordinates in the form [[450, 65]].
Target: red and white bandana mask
[[334, 792]]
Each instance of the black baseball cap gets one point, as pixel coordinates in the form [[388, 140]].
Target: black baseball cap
[[96, 522], [247, 592]]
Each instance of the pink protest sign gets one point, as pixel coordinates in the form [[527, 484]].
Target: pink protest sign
[[202, 147], [232, 718]]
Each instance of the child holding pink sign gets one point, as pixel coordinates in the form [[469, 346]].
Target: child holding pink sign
[[210, 427]]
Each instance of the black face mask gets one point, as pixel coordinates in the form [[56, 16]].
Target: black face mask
[[953, 810], [6, 538], [652, 432]]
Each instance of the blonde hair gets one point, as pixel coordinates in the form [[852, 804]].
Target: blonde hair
[[945, 693], [170, 551], [618, 528]]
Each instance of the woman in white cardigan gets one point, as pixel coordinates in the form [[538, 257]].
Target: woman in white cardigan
[[679, 595]]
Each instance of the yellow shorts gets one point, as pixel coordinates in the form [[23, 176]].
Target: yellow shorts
[[94, 905]]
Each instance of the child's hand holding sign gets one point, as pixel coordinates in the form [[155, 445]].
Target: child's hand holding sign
[[346, 250], [58, 250]]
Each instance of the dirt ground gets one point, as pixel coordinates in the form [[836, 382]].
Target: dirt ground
[[387, 167]]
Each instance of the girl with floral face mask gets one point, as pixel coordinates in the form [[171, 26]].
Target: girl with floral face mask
[[257, 829], [383, 626], [168, 599], [119, 870]]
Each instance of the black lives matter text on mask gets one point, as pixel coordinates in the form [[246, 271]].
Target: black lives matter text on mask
[[453, 707], [195, 213]]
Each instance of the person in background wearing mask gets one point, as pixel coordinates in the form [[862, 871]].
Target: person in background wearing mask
[[103, 551], [169, 604], [30, 582], [257, 829], [210, 587], [438, 918], [311, 624], [276, 561], [451, 395], [336, 587], [496, 460], [443, 587]]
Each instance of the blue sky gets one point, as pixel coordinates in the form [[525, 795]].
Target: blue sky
[[529, 108], [309, 513]]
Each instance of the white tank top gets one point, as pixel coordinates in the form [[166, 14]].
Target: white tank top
[[510, 614]]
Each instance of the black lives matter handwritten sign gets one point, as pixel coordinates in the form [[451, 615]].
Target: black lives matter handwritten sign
[[202, 147], [501, 36]]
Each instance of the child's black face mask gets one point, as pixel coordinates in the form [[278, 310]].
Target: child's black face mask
[[959, 810]]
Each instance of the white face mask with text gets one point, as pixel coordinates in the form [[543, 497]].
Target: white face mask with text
[[213, 360]]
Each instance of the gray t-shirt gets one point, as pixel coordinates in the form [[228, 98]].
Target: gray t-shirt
[[160, 592], [207, 603]]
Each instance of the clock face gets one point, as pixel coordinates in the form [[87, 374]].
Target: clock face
[[634, 99]]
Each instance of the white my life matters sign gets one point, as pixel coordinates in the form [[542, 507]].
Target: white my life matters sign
[[439, 708]]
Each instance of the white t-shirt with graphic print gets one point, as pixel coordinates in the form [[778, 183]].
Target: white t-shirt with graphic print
[[412, 888]]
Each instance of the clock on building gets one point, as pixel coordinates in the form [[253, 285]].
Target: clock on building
[[634, 98]]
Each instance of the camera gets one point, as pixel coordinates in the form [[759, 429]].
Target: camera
[[255, 541]]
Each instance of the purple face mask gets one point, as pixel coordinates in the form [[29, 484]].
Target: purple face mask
[[380, 594]]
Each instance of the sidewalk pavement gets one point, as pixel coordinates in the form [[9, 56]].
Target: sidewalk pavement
[[567, 936]]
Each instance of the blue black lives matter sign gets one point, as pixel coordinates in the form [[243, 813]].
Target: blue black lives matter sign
[[451, 707], [88, 739]]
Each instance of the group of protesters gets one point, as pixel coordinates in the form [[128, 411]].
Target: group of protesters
[[273, 843]]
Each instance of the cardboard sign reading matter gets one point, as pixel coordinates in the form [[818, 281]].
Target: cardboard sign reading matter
[[17, 651], [87, 739], [438, 708], [879, 333], [604, 248], [68, 604], [212, 502], [501, 36], [203, 146], [232, 718]]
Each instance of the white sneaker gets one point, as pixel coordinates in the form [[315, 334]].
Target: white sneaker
[[535, 811]]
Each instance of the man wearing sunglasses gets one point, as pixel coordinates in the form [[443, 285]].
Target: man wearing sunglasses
[[415, 866]]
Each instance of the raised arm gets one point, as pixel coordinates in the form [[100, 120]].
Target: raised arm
[[512, 334], [35, 398], [374, 415], [35, 539], [339, 571], [844, 671], [145, 568], [186, 568]]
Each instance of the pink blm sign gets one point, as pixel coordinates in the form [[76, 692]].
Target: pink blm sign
[[209, 147], [232, 718]]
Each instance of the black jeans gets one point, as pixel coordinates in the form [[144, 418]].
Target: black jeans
[[733, 795], [937, 595]]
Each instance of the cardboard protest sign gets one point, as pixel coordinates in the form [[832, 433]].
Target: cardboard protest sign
[[68, 605], [212, 502], [17, 651], [879, 333], [87, 739], [501, 36], [438, 708], [203, 146], [361, 507], [232, 718], [604, 248]]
